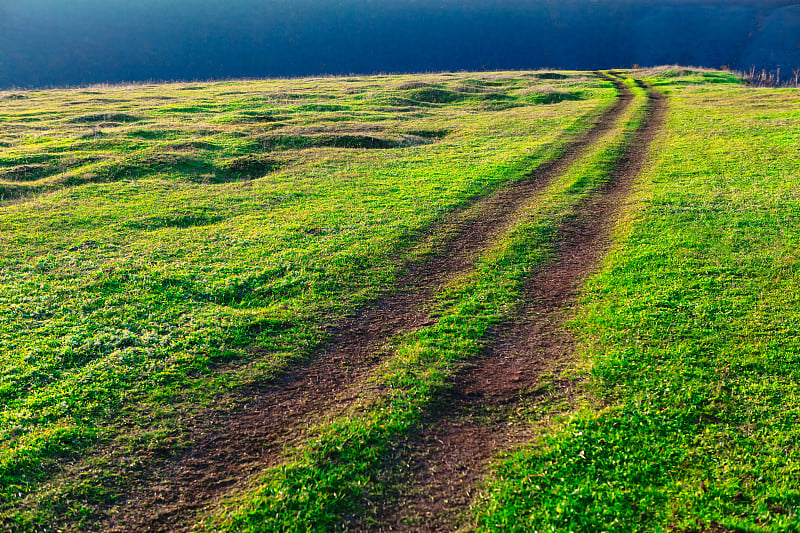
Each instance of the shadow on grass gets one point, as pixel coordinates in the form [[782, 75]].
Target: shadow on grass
[[105, 117]]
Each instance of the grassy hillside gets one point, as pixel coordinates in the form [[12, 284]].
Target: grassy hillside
[[319, 263], [168, 244], [352, 461]]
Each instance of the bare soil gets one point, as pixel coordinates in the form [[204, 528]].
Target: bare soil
[[476, 422], [243, 435]]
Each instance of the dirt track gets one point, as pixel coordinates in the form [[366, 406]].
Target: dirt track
[[250, 433], [452, 452]]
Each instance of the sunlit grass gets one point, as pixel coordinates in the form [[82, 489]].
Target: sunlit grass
[[161, 246], [354, 460], [164, 244], [690, 333]]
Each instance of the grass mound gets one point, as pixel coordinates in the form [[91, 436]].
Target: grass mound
[[435, 95], [34, 172], [415, 84], [26, 172], [429, 134], [550, 76], [247, 167], [105, 117], [354, 141], [551, 97], [180, 146], [157, 163]]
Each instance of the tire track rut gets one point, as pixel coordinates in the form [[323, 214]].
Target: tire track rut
[[250, 432], [473, 424]]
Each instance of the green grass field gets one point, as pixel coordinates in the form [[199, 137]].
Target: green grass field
[[166, 249], [690, 334]]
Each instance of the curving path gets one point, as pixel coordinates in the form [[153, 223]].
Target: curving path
[[250, 432], [454, 449]]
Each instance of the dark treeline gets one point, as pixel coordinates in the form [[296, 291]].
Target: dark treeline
[[55, 42]]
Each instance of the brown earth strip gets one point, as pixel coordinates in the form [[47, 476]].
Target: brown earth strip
[[476, 420], [250, 432]]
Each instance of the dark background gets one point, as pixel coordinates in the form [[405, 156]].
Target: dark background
[[73, 42]]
